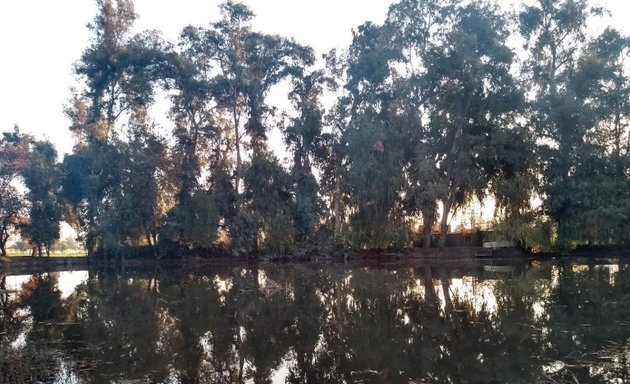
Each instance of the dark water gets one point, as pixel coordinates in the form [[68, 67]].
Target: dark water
[[540, 322]]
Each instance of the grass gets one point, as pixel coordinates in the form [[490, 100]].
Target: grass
[[64, 253]]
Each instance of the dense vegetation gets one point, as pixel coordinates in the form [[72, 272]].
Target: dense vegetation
[[443, 103]]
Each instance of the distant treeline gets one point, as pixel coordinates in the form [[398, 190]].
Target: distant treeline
[[445, 102]]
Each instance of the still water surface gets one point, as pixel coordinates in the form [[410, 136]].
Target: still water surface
[[534, 322]]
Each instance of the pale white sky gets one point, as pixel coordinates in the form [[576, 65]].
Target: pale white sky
[[41, 39]]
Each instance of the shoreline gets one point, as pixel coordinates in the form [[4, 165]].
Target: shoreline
[[453, 256]]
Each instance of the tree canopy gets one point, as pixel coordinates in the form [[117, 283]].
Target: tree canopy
[[434, 108]]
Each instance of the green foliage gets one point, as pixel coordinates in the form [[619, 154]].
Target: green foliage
[[304, 138], [374, 180], [531, 230], [269, 204], [307, 208], [42, 177], [581, 99], [431, 113], [194, 222], [14, 153]]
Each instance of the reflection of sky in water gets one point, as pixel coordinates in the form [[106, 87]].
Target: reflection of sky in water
[[68, 281], [480, 293], [14, 283]]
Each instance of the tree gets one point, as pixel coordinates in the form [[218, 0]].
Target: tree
[[14, 151], [580, 100], [429, 92], [41, 177], [416, 29], [11, 210], [599, 88], [303, 136], [194, 111], [476, 100], [372, 146], [120, 71], [249, 64], [554, 32], [194, 222], [141, 193], [266, 221]]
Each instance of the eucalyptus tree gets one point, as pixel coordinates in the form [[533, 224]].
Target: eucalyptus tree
[[201, 146], [416, 28], [241, 66], [372, 145], [222, 116], [139, 198], [14, 154], [303, 136], [266, 221], [431, 113], [554, 33], [579, 90], [41, 177], [250, 64], [606, 61], [119, 70], [377, 125], [475, 100], [193, 110], [331, 163], [599, 87]]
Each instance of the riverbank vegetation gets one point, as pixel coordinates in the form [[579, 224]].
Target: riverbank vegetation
[[443, 104]]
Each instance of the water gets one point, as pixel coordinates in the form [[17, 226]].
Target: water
[[533, 322]]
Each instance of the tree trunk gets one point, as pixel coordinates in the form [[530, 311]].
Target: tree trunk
[[444, 223], [430, 294], [239, 161], [446, 291], [152, 245], [4, 298], [189, 165], [337, 208], [427, 221], [4, 237]]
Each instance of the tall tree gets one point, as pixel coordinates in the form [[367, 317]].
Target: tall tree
[[193, 110], [599, 89], [120, 70], [303, 136], [372, 145], [580, 100], [436, 79], [41, 177], [14, 153], [249, 64], [417, 28], [142, 193], [475, 99]]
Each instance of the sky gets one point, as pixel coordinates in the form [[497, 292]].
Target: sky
[[41, 39]]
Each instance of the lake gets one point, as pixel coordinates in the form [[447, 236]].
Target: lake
[[525, 322]]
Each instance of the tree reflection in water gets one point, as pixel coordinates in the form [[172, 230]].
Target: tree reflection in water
[[322, 324]]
